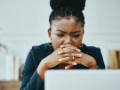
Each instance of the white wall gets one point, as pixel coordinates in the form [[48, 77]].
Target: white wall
[[24, 23]]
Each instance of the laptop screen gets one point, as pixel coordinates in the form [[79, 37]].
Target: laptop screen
[[82, 80]]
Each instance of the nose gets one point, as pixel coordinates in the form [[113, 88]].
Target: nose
[[68, 40]]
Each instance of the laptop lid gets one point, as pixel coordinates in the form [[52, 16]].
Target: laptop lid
[[82, 80]]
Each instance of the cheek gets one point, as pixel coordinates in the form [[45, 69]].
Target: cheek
[[56, 42], [77, 42]]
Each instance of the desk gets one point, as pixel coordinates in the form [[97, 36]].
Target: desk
[[10, 85]]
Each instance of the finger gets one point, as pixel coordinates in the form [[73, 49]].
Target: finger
[[68, 66], [74, 48], [68, 50], [80, 61], [72, 55], [71, 63], [66, 45], [65, 59], [71, 46]]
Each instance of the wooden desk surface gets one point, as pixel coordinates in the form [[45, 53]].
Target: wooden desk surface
[[10, 85]]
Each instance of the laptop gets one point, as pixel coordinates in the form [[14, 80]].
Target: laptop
[[82, 80]]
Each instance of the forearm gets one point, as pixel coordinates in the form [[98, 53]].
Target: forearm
[[41, 70], [93, 67], [93, 64]]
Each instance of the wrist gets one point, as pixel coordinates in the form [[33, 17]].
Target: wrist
[[43, 65], [93, 64], [41, 70]]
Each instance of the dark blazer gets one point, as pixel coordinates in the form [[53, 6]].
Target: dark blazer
[[30, 79]]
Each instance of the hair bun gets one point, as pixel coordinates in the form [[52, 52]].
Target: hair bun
[[78, 4]]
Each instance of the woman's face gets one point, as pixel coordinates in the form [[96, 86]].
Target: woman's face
[[66, 31]]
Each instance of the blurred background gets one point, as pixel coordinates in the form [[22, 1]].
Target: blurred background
[[24, 23]]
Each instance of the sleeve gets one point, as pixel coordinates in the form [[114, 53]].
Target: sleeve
[[100, 61], [30, 79]]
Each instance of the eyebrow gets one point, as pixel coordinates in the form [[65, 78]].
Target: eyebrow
[[61, 31], [66, 32], [75, 31]]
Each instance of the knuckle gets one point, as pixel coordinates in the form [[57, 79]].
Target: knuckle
[[70, 62], [71, 58], [63, 50], [69, 50], [70, 54], [66, 54], [73, 55], [74, 48], [65, 59]]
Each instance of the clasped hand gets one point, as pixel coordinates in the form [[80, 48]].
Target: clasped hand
[[71, 55], [74, 56]]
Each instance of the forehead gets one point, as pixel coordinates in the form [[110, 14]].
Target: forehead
[[66, 24]]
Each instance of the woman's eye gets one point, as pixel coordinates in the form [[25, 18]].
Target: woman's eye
[[59, 35], [76, 35]]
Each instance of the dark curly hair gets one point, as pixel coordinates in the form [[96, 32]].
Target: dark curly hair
[[67, 8]]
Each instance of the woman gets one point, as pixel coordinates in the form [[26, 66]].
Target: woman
[[66, 50]]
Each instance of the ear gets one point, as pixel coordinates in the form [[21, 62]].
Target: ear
[[49, 33]]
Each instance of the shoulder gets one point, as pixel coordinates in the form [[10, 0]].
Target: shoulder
[[41, 50], [95, 52], [40, 47], [38, 52], [91, 48], [92, 51]]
